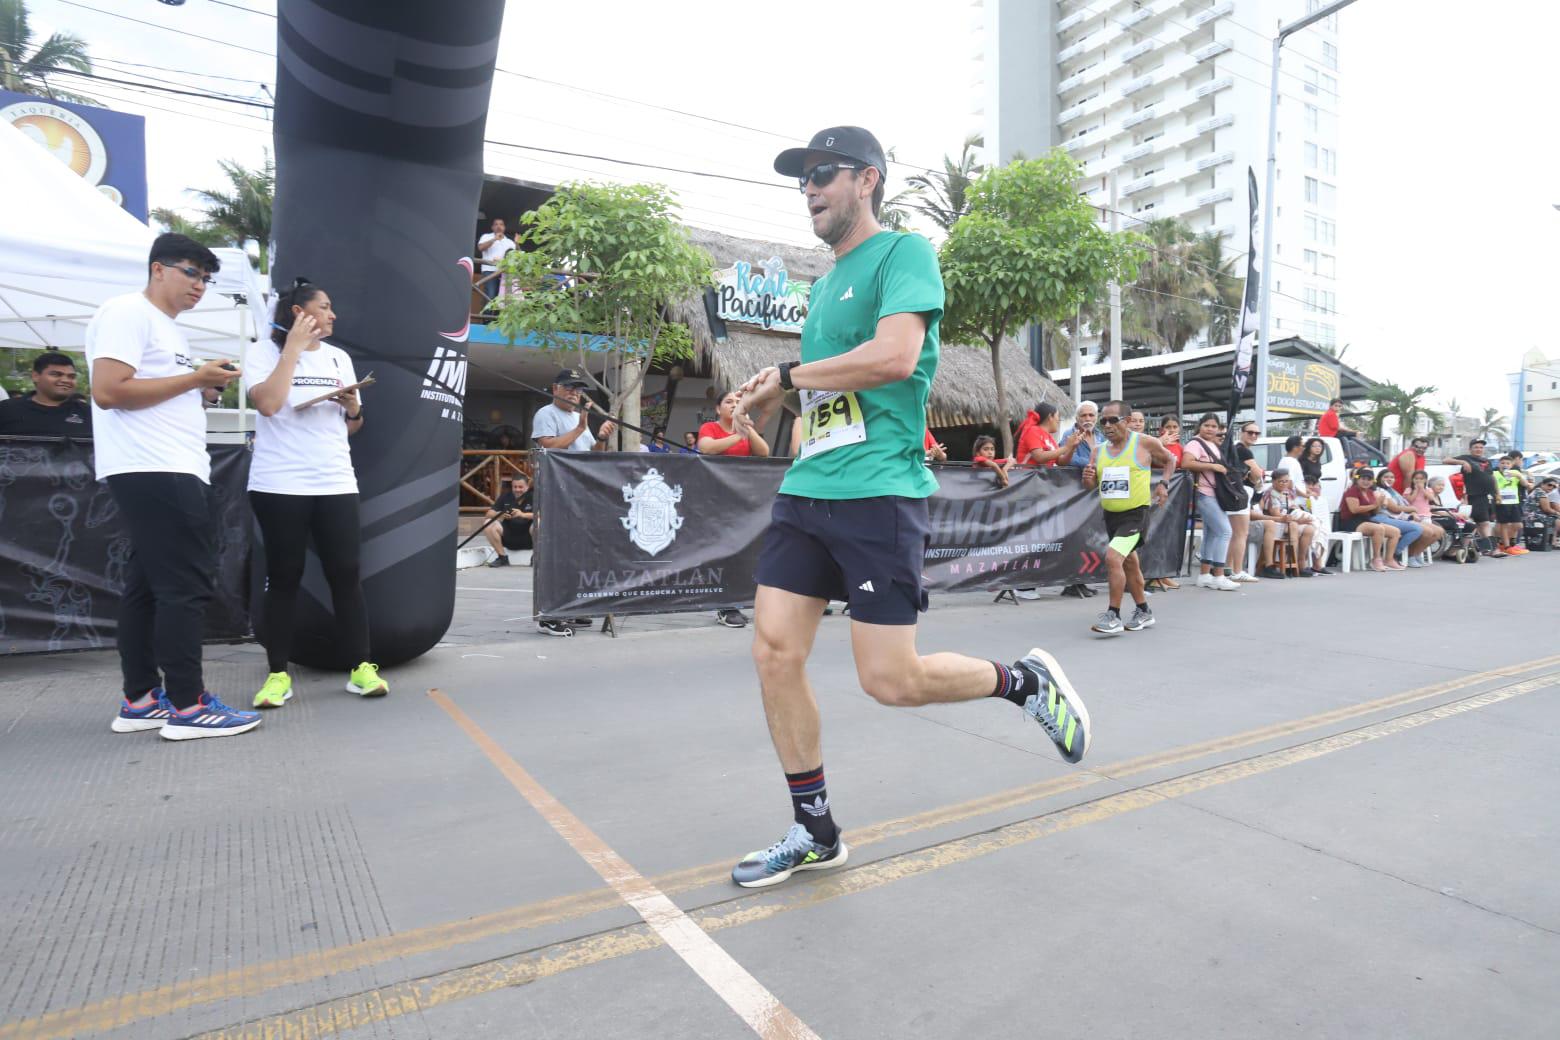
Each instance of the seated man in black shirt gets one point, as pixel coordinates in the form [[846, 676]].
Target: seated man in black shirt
[[515, 514], [53, 409]]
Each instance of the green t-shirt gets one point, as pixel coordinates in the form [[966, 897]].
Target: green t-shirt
[[889, 273]]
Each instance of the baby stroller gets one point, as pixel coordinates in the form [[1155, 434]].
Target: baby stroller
[[1459, 542]]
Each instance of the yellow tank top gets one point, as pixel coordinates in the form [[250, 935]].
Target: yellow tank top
[[1124, 482]]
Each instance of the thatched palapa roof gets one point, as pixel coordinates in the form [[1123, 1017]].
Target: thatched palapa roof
[[963, 392]]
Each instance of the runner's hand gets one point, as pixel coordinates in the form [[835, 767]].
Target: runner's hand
[[1088, 475], [1161, 494]]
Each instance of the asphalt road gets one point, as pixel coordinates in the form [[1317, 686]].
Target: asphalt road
[[1316, 808]]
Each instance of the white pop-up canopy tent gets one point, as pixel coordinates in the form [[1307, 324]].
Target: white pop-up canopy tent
[[65, 248]]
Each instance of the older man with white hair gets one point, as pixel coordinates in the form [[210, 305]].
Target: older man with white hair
[[1089, 437]]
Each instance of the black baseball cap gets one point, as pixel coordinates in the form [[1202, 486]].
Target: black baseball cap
[[569, 377], [845, 142]]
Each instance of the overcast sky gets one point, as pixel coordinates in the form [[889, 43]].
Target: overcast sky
[[1447, 175]]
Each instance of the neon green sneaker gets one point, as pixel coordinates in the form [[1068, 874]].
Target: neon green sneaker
[[365, 680], [276, 691]]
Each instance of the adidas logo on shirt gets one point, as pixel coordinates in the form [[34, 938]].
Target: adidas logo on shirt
[[849, 294], [866, 586]]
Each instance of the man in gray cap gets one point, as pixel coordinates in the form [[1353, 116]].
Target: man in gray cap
[[850, 522], [564, 424]]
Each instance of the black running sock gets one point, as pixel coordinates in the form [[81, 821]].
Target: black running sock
[[1143, 607], [810, 805], [1014, 684]]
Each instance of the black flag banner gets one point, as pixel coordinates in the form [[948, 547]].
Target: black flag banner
[[642, 534], [63, 552], [1250, 314]]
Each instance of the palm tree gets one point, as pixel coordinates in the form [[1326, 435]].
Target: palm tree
[[200, 231], [1494, 425], [1226, 290], [943, 195], [23, 67], [242, 211], [1409, 407]]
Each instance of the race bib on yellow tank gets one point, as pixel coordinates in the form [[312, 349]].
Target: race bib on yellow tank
[[830, 419], [1509, 496], [1116, 482]]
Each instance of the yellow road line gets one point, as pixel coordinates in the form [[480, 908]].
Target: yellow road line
[[730, 981], [252, 980], [464, 983]]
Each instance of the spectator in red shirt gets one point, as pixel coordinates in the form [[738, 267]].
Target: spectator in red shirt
[[1328, 425], [726, 437], [935, 452], [1409, 461], [1037, 438], [1170, 436], [986, 458]]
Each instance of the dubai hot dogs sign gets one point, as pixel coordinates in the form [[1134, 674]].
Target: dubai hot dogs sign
[[765, 296]]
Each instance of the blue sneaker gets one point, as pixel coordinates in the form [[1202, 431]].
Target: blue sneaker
[[208, 718], [796, 851], [136, 720]]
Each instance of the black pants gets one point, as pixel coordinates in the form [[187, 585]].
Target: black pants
[[168, 583], [287, 522]]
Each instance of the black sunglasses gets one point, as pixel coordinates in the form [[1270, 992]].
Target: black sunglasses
[[1111, 420], [192, 273], [823, 174]]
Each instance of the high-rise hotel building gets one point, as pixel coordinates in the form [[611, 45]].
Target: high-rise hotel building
[[1171, 96]]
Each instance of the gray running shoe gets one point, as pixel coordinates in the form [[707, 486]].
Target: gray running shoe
[[796, 851], [1140, 620], [1108, 623], [1056, 705]]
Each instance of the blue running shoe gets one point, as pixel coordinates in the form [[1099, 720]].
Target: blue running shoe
[[1056, 706], [208, 718], [137, 720], [796, 851]]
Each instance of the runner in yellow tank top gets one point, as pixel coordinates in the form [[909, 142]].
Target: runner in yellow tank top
[[1121, 469]]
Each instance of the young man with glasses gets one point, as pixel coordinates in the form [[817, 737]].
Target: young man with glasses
[[150, 446], [850, 522]]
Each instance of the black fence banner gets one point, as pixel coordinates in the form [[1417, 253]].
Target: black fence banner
[[63, 554], [638, 533]]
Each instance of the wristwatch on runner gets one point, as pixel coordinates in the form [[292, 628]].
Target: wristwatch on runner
[[785, 374]]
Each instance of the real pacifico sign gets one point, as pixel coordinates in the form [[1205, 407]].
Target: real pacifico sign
[[770, 300], [1299, 387]]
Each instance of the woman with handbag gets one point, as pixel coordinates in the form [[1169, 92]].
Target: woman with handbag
[[1203, 457]]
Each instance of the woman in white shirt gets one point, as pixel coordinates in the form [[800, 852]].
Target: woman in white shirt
[[302, 485]]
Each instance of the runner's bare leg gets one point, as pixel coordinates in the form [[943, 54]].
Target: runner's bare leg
[[893, 673], [784, 627]]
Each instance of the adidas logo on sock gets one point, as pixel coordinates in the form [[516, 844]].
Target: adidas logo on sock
[[866, 586], [820, 807]]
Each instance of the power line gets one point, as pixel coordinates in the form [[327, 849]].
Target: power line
[[154, 86], [246, 10], [122, 64], [167, 28], [628, 162]]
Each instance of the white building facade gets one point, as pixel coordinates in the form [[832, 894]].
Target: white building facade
[[1535, 403], [1171, 97]]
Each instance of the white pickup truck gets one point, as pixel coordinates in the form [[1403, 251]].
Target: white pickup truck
[[1339, 460]]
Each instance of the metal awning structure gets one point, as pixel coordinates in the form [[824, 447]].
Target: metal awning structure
[[1198, 380]]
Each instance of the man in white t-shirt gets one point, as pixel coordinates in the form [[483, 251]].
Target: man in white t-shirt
[[149, 445], [564, 425], [493, 247]]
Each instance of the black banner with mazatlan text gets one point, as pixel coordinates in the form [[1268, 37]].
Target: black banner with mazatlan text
[[621, 533]]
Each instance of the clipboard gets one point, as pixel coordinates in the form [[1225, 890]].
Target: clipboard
[[367, 380]]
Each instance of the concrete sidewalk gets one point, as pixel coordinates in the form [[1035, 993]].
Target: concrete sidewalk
[[1312, 808]]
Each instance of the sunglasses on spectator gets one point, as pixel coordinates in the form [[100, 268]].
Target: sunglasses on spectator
[[1250, 433], [194, 274], [823, 174]]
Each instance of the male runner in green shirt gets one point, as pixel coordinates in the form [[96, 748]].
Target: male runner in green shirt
[[850, 522]]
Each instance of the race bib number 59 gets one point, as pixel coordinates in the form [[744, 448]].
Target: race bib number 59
[[830, 419]]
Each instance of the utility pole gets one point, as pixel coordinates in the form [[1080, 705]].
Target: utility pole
[[1075, 381], [1284, 32], [1115, 307]]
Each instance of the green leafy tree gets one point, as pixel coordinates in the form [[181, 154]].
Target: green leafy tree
[[1494, 425], [242, 210], [604, 260], [1408, 407], [24, 67], [1027, 251], [1222, 291], [199, 230], [943, 196]]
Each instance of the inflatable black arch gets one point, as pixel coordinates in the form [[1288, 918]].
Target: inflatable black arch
[[381, 110]]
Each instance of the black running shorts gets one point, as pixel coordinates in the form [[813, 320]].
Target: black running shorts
[[1508, 514], [865, 551], [1483, 508], [1129, 525]]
